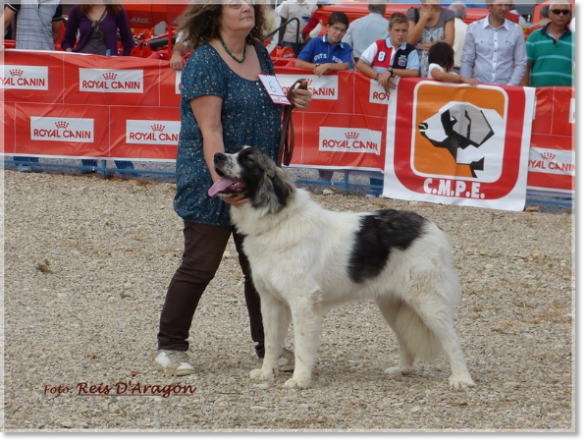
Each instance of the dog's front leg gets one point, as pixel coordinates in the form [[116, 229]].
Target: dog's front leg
[[307, 324], [276, 318]]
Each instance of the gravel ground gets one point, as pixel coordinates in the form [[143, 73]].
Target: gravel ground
[[87, 264]]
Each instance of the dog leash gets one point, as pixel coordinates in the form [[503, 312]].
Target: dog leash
[[287, 143]]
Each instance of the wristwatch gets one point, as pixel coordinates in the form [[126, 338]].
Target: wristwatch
[[317, 64], [391, 71]]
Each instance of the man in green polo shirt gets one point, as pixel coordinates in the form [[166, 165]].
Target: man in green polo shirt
[[551, 50]]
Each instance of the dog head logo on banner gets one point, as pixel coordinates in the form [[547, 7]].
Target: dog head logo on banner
[[458, 144]]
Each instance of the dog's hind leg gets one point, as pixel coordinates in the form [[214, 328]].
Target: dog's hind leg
[[390, 310], [441, 322], [276, 318], [307, 324]]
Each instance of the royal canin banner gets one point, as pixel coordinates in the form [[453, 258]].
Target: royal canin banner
[[59, 104], [552, 165]]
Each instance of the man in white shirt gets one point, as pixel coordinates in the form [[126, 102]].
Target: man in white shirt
[[288, 36], [364, 31], [494, 48], [460, 28]]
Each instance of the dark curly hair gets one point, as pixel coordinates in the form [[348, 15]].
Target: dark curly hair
[[441, 54], [200, 23]]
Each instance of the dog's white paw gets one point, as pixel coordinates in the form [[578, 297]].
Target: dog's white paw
[[395, 372], [259, 374], [461, 382], [297, 383]]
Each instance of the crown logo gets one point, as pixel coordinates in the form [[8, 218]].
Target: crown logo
[[547, 155], [16, 72], [158, 127], [110, 76], [351, 134], [62, 125]]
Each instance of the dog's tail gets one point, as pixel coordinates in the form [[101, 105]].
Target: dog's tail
[[419, 339]]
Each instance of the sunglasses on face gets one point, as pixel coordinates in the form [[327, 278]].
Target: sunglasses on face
[[560, 11]]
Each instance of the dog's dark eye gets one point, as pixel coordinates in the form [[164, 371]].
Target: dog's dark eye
[[247, 159]]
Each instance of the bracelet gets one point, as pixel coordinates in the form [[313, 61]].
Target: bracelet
[[376, 77], [459, 79]]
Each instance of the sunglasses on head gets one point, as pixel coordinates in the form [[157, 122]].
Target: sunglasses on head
[[560, 11]]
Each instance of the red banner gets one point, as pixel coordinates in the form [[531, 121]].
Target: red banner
[[74, 105], [552, 156], [458, 144]]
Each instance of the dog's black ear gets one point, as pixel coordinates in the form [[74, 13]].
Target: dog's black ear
[[274, 191]]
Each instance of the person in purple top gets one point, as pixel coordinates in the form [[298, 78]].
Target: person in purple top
[[98, 25]]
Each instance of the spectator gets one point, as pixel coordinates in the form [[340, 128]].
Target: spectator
[[494, 48], [180, 48], [328, 53], [441, 62], [428, 25], [313, 27], [38, 25], [223, 106], [364, 31], [288, 36], [521, 20], [388, 58], [460, 27], [543, 20], [392, 57], [96, 26], [551, 50], [270, 21]]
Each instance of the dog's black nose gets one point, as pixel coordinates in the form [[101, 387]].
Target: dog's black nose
[[219, 156]]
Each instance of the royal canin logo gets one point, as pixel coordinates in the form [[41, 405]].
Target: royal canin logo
[[350, 140], [111, 80], [62, 130], [24, 77], [147, 132], [547, 155]]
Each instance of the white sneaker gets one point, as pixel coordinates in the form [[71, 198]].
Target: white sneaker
[[286, 362], [173, 362]]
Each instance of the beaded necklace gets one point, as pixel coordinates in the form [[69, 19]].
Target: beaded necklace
[[232, 55]]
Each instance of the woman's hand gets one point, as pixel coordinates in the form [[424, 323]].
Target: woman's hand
[[426, 13], [470, 81], [301, 98], [235, 200]]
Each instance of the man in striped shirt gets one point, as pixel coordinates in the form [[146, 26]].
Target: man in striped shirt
[[551, 50]]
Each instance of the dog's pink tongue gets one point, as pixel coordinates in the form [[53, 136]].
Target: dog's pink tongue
[[221, 185]]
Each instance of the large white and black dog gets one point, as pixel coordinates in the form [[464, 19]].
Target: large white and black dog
[[306, 259]]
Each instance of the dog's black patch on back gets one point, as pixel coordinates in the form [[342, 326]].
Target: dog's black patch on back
[[379, 233]]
